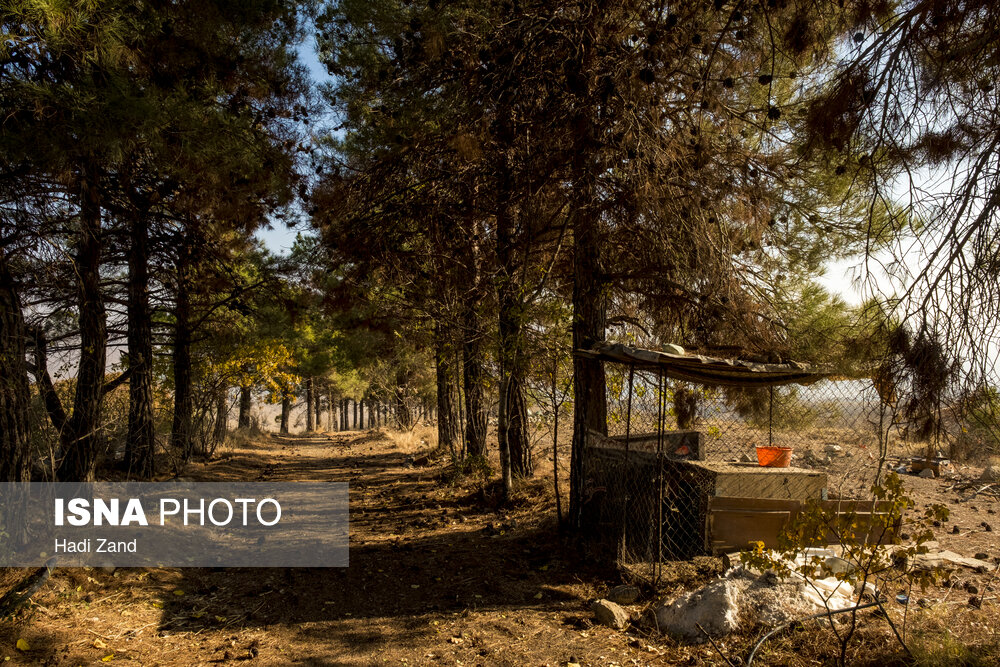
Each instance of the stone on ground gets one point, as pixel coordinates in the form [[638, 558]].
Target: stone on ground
[[610, 614]]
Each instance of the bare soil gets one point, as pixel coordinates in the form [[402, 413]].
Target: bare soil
[[439, 575]]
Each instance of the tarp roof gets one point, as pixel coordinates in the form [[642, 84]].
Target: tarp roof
[[707, 370]]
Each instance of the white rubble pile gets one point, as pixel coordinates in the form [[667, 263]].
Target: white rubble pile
[[744, 599]]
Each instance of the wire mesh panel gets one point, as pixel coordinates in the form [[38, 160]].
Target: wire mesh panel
[[672, 446]]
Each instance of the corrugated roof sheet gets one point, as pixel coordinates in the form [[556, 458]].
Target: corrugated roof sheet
[[707, 370]]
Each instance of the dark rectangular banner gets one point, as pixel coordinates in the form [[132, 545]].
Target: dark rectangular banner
[[174, 524]]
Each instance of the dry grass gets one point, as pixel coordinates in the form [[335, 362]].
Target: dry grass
[[421, 437], [955, 634]]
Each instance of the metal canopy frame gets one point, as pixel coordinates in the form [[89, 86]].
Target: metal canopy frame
[[706, 370]]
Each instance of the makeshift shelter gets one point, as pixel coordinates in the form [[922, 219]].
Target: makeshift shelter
[[654, 492]]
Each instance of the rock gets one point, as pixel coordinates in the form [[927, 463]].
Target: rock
[[833, 449], [934, 559], [991, 473], [743, 599], [982, 555], [987, 527], [622, 595], [671, 348], [610, 614], [955, 530], [715, 607], [926, 473], [972, 588]]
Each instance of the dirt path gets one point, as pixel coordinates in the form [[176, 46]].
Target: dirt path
[[436, 577]]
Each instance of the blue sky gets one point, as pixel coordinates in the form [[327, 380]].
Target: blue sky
[[279, 240]]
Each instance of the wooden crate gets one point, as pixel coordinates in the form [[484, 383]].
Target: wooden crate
[[938, 464], [749, 480], [733, 523]]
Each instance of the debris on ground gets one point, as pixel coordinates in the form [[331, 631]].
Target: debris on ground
[[623, 594], [743, 599]]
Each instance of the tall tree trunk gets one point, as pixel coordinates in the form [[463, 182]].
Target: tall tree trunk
[[556, 404], [473, 370], [310, 427], [181, 435], [513, 419], [221, 414], [590, 402], [286, 410], [355, 414], [318, 397], [243, 421], [474, 378], [14, 389], [512, 422], [47, 390], [81, 447], [332, 417], [447, 390], [140, 443], [404, 418]]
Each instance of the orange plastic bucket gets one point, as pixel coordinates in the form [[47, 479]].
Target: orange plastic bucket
[[774, 457]]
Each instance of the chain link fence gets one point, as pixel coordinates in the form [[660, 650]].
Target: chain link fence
[[672, 446]]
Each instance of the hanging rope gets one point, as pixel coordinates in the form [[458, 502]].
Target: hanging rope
[[770, 416]]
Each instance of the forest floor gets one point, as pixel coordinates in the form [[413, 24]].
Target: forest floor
[[439, 575]]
